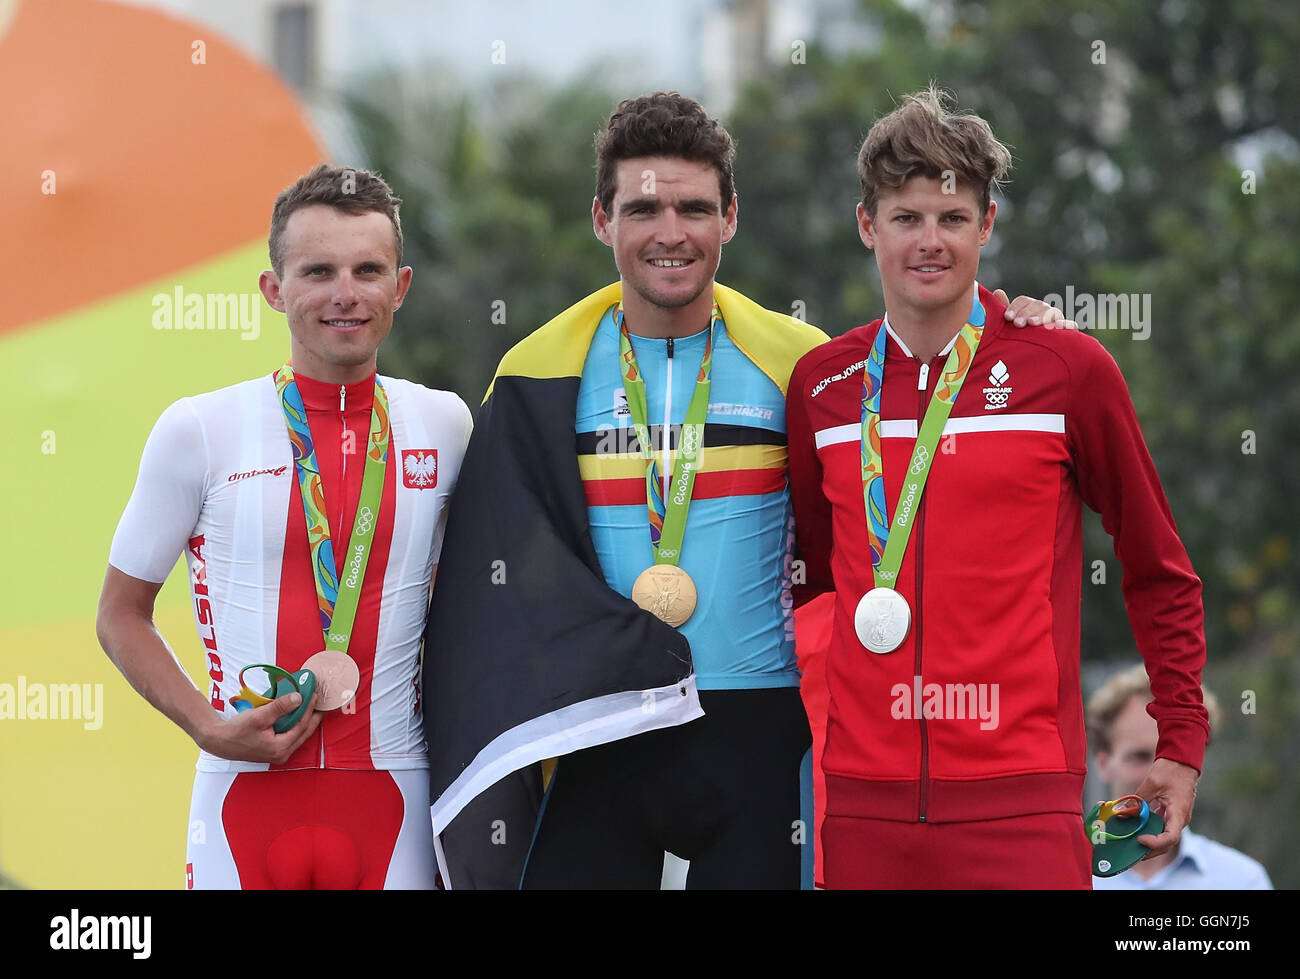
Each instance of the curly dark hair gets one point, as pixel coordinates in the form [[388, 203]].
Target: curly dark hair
[[663, 124]]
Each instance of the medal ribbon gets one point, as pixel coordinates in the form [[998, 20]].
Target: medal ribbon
[[887, 549], [337, 599], [667, 516]]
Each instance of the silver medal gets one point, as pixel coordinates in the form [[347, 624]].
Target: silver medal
[[882, 620]]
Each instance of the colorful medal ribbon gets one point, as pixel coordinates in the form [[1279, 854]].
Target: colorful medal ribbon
[[668, 516], [337, 599], [887, 549]]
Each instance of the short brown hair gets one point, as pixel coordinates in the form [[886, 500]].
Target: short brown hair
[[663, 124], [1110, 700], [921, 138], [346, 189]]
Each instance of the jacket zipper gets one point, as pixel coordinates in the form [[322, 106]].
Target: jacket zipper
[[665, 474], [343, 418], [922, 384], [343, 483]]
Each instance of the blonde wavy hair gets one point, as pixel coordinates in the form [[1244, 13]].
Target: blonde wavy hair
[[922, 138], [1113, 696]]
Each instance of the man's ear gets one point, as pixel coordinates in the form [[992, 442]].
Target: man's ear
[[986, 228], [269, 283], [600, 222], [866, 226], [729, 219], [404, 275]]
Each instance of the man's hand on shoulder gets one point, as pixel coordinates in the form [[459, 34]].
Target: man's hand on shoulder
[[250, 736], [1170, 789], [1027, 311]]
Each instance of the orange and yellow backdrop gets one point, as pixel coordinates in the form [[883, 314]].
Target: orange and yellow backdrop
[[146, 162]]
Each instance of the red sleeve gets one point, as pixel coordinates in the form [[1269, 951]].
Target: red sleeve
[[1117, 478], [812, 511]]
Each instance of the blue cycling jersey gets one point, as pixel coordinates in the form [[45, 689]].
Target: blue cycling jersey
[[739, 532]]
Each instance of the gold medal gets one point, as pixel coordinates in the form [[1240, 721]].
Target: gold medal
[[666, 592], [337, 678]]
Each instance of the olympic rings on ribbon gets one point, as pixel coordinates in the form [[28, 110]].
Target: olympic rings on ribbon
[[922, 457], [365, 520]]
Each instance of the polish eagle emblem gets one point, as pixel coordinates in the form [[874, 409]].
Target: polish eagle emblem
[[420, 468]]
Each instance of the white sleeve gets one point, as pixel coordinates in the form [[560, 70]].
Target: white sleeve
[[469, 423], [164, 507]]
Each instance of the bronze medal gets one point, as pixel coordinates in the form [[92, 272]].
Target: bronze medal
[[337, 678]]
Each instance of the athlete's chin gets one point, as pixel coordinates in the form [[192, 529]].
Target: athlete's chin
[[928, 300], [677, 298], [357, 348], [353, 358]]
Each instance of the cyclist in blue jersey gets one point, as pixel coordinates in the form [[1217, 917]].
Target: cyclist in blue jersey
[[722, 791], [739, 516]]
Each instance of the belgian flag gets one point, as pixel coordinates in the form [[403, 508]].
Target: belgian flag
[[528, 653]]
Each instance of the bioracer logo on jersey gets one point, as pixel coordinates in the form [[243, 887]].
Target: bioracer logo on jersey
[[420, 468], [995, 397]]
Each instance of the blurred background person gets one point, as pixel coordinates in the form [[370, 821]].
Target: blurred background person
[[1122, 736]]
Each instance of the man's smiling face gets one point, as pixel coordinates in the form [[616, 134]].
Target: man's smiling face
[[667, 226], [927, 244], [339, 289]]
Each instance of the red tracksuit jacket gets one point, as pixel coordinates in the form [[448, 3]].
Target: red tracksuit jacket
[[992, 572]]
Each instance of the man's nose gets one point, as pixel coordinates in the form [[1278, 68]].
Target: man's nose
[[930, 240], [345, 292], [672, 229]]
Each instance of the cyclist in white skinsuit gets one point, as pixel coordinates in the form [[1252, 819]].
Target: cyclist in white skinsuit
[[341, 799]]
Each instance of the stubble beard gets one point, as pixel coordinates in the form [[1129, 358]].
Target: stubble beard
[[656, 298], [341, 351]]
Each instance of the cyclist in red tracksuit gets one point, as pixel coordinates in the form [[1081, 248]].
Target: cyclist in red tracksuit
[[958, 758]]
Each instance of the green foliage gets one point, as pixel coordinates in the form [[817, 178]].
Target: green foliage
[[496, 195]]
